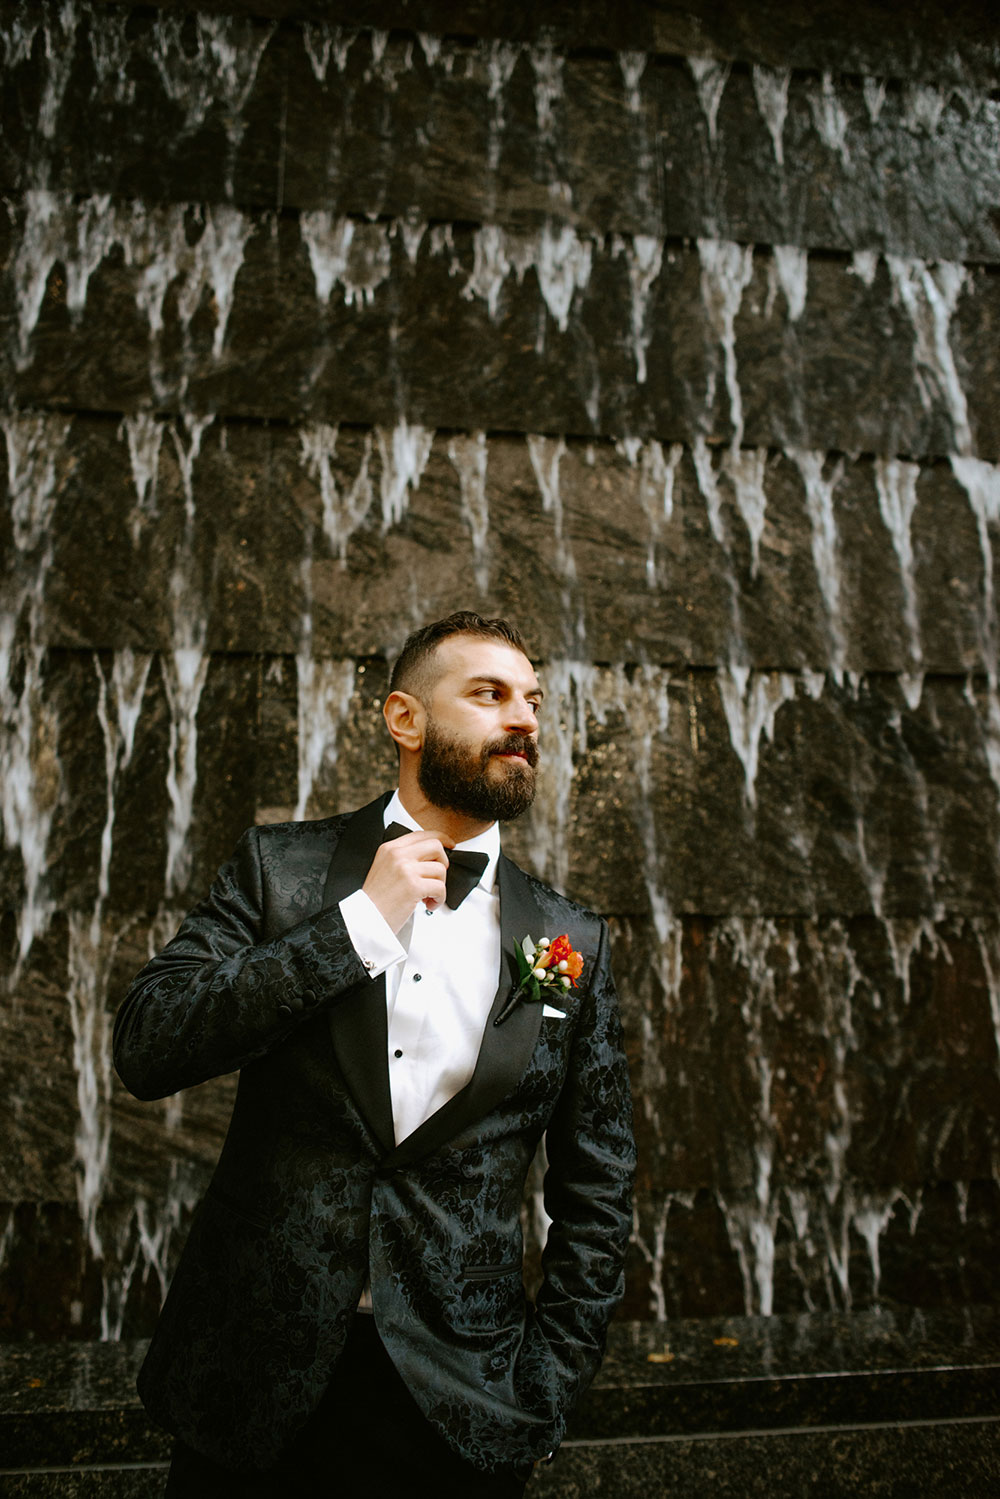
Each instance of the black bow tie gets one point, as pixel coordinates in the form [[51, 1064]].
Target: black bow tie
[[465, 870]]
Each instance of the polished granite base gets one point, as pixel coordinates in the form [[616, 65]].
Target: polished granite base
[[881, 1403]]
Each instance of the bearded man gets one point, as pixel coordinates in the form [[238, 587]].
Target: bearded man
[[348, 1312]]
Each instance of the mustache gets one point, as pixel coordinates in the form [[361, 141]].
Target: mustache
[[515, 744]]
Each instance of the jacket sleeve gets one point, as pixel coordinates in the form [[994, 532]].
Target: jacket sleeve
[[219, 995], [588, 1196]]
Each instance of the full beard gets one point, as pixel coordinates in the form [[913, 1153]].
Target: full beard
[[460, 779]]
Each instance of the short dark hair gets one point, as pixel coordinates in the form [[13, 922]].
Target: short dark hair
[[411, 672]]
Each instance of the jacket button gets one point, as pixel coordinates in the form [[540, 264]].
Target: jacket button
[[310, 997], [284, 1009]]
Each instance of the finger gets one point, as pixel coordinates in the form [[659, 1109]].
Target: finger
[[419, 843]]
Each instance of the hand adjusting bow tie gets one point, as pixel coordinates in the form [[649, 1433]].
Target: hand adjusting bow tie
[[465, 870]]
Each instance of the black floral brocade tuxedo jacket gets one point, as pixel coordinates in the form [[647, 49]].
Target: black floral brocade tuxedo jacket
[[311, 1193]]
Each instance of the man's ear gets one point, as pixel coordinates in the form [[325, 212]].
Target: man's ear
[[405, 717]]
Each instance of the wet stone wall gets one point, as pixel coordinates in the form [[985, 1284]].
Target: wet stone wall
[[672, 335]]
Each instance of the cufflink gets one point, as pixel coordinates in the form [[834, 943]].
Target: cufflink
[[369, 963]]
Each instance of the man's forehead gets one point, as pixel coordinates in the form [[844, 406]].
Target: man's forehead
[[468, 656]]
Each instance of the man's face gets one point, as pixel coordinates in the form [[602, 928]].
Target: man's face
[[480, 744]]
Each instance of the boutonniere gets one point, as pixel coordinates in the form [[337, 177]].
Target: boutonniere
[[545, 968]]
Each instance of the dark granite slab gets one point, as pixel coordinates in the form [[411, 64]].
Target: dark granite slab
[[334, 129], [960, 1461], [144, 1481], [74, 1405], [946, 39], [747, 1373], [453, 346]]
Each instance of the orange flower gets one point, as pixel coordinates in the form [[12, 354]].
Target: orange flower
[[560, 950]]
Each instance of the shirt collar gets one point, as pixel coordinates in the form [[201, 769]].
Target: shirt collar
[[484, 843]]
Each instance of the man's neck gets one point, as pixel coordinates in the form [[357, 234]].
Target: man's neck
[[433, 819]]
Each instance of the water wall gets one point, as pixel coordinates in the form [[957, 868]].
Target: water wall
[[672, 334]]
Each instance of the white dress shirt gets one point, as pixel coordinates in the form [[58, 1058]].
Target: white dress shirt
[[441, 973]]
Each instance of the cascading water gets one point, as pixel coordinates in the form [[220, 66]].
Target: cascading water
[[185, 671], [29, 764], [666, 731]]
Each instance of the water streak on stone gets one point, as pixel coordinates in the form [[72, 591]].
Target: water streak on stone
[[500, 61], [819, 491], [111, 51], [562, 737], [929, 295], [18, 30], [342, 252], [726, 271], [490, 267], [981, 482], [655, 488], [643, 254], [156, 246], [770, 86], [546, 455], [644, 703], [91, 949], [896, 485], [906, 935], [562, 264], [59, 29], [548, 70], [745, 469], [710, 79], [143, 1236], [788, 271], [323, 40], [708, 485], [411, 231], [404, 451], [829, 116], [750, 1212], [325, 690], [561, 260], [144, 434], [468, 454], [30, 776], [751, 700], [430, 46], [344, 511], [988, 940], [923, 106], [864, 265], [633, 65], [654, 1253], [874, 91], [184, 666], [216, 73]]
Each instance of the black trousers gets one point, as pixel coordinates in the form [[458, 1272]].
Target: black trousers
[[367, 1439]]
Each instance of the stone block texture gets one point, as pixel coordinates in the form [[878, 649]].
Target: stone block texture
[[670, 332]]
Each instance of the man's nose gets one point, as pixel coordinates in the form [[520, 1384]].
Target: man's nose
[[520, 716]]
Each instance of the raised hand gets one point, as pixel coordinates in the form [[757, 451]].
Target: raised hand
[[406, 871]]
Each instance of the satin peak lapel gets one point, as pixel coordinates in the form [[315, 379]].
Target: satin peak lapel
[[506, 1049], [358, 1021]]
